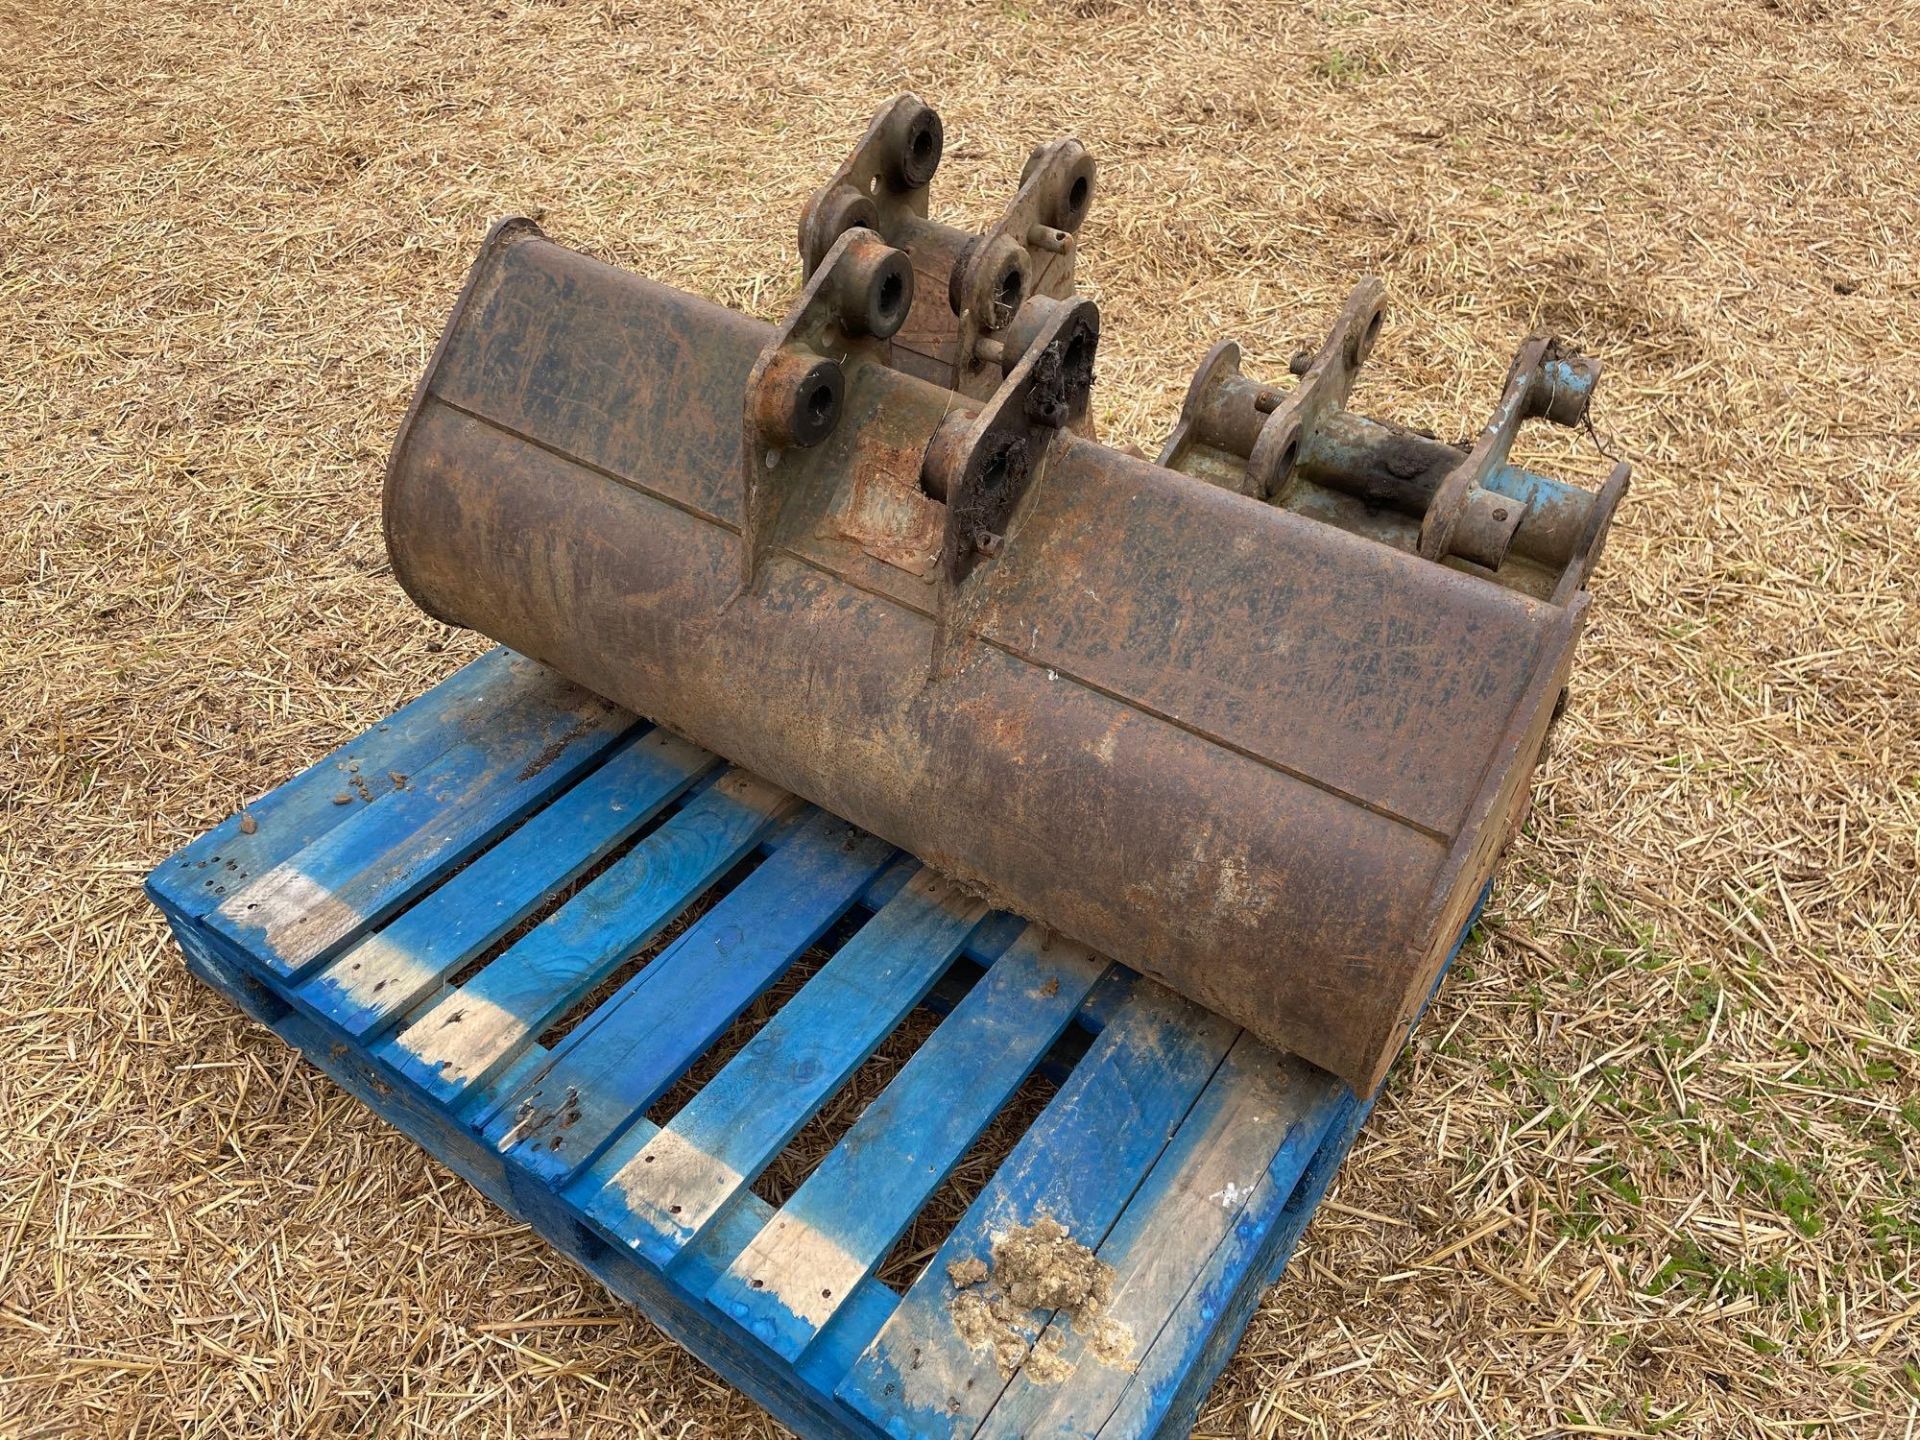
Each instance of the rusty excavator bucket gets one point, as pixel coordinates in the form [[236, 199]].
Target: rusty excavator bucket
[[1255, 718]]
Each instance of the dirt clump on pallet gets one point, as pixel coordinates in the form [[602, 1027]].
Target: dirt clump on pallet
[[988, 1318], [1042, 1267], [970, 1271], [1037, 1267]]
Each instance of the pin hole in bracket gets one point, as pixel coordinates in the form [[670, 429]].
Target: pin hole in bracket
[[883, 183], [846, 315]]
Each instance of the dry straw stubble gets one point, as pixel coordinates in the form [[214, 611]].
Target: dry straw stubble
[[1649, 1167]]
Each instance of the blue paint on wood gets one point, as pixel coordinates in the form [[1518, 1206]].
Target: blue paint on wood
[[1258, 1106], [1147, 1392], [1174, 1377], [199, 877], [990, 938], [466, 1037], [1141, 1122], [803, 1406], [640, 1041], [212, 961], [740, 1121], [867, 1190], [1080, 1162], [1167, 1408], [990, 941], [890, 882], [371, 986], [329, 894]]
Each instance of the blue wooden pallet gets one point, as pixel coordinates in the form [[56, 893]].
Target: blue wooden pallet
[[409, 914]]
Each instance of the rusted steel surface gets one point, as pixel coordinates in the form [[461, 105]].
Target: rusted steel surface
[[1466, 507], [970, 285], [1261, 757]]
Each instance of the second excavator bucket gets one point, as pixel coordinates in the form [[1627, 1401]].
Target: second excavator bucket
[[1255, 719]]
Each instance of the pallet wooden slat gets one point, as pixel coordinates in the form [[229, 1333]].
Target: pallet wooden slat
[[418, 940], [1079, 1163], [799, 1270], [1265, 1230], [1186, 1207], [289, 818], [645, 1037], [469, 1034], [385, 975], [732, 1130], [328, 894]]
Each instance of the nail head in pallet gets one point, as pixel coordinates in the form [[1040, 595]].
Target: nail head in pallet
[[443, 945]]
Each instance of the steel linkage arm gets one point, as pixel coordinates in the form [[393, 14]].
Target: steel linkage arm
[[972, 284], [1302, 450]]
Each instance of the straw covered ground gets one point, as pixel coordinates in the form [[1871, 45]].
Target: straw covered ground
[[1649, 1167]]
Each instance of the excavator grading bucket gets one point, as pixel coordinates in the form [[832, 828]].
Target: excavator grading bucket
[[1256, 719]]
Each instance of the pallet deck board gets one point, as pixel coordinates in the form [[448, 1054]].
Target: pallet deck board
[[410, 832], [458, 916], [838, 1226], [389, 973], [1079, 1163], [738, 1124], [1256, 1107], [294, 815], [617, 1064], [465, 1037]]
